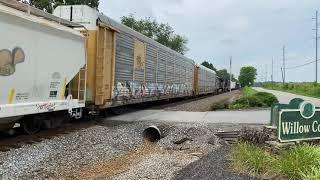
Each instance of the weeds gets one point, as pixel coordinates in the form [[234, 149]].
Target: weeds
[[219, 105], [246, 157], [251, 98], [300, 162]]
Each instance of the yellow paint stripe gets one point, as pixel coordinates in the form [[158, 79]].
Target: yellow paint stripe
[[11, 98], [64, 89]]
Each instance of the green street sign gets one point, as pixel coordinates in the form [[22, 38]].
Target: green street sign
[[297, 121]]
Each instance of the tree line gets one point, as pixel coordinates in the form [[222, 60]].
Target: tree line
[[50, 5], [246, 78]]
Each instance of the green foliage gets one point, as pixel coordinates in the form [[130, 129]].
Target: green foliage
[[50, 5], [219, 105], [249, 158], [268, 99], [247, 91], [247, 76], [301, 162], [208, 65], [306, 89], [160, 32], [223, 73], [251, 98], [298, 162]]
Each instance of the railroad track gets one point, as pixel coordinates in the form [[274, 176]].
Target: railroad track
[[8, 142], [18, 139]]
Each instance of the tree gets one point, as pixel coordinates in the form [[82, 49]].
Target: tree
[[223, 73], [247, 76], [50, 5], [208, 65], [160, 32]]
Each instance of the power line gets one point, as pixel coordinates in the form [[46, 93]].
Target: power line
[[298, 66]]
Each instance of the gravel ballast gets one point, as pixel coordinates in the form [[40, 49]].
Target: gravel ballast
[[66, 154], [109, 151], [204, 104]]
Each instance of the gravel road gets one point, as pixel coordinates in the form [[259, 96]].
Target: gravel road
[[204, 104], [285, 97]]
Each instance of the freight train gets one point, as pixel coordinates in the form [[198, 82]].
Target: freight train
[[79, 61]]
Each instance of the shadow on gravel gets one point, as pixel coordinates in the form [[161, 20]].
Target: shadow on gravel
[[212, 166]]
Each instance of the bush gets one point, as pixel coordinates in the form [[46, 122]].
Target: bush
[[246, 102], [219, 105], [252, 98], [246, 157], [268, 99]]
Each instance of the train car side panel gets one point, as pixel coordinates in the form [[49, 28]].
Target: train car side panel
[[34, 67], [206, 80]]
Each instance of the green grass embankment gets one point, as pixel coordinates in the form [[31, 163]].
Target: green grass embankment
[[252, 99], [305, 89]]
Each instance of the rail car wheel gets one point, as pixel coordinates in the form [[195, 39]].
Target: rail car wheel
[[31, 125], [119, 110]]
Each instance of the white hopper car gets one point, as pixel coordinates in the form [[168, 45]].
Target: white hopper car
[[38, 58]]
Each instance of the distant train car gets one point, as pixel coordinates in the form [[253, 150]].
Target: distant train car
[[233, 85], [126, 67], [205, 80], [38, 59]]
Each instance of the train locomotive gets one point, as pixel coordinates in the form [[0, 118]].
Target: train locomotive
[[81, 61]]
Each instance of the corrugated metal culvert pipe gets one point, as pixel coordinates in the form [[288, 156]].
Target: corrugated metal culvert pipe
[[153, 133]]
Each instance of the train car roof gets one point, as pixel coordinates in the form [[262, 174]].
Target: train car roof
[[120, 27], [207, 69], [36, 19], [37, 12]]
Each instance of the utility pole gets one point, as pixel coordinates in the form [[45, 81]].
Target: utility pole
[[282, 75], [230, 72], [266, 80], [272, 70], [316, 29], [284, 64]]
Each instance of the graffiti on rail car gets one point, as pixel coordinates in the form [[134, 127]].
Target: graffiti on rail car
[[137, 90], [45, 107], [9, 59]]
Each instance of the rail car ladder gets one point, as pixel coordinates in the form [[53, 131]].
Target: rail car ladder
[[100, 66], [104, 65], [82, 80]]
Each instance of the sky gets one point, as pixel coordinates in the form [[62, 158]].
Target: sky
[[251, 31]]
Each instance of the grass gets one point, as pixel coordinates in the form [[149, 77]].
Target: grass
[[306, 89], [300, 162], [252, 98], [249, 158], [248, 91]]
